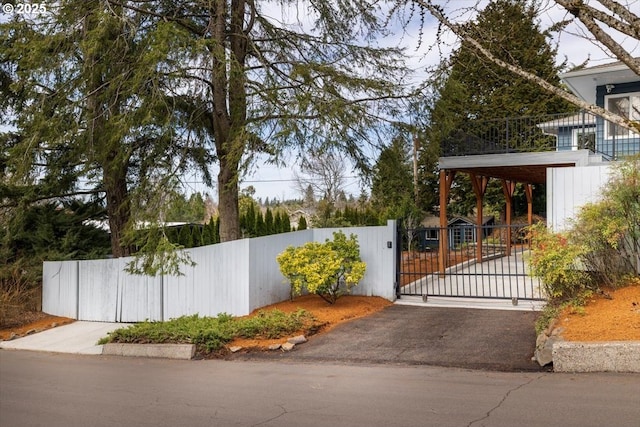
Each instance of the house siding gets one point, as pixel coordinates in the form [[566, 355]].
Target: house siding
[[620, 146], [618, 89]]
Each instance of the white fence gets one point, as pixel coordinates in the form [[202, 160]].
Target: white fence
[[233, 277], [568, 189]]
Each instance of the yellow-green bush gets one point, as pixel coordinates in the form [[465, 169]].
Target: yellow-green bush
[[556, 261], [327, 269]]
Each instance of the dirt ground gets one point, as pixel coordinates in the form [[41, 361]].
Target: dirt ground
[[31, 322], [612, 316], [615, 317]]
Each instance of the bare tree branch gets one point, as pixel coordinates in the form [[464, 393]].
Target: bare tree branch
[[625, 14], [588, 17]]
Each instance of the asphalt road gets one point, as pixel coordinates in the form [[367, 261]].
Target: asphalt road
[[42, 389]]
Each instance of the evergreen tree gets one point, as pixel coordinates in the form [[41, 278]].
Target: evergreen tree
[[252, 219], [392, 185], [94, 97], [53, 232], [172, 234], [106, 119], [261, 229], [302, 223], [286, 223], [473, 92], [184, 237], [268, 222], [196, 235], [207, 235], [277, 223]]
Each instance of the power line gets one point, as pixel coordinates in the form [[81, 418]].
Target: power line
[[289, 180]]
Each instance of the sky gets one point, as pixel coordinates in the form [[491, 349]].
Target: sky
[[271, 181]]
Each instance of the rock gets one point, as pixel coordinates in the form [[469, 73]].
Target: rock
[[300, 339], [288, 346], [30, 331], [541, 339], [235, 349], [544, 353], [557, 332], [54, 325], [273, 347], [12, 335]]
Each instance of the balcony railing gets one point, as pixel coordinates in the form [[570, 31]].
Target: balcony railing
[[557, 132]]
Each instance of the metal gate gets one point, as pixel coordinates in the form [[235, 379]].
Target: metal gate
[[498, 269]]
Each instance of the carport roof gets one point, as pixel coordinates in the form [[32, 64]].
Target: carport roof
[[528, 168]]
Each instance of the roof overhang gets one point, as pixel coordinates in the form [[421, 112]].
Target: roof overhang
[[583, 82], [529, 168]]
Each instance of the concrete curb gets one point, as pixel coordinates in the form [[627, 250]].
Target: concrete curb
[[166, 351], [615, 356]]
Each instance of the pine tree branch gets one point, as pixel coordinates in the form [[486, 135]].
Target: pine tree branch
[[15, 202]]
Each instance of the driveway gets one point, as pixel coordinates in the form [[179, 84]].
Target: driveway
[[440, 336]]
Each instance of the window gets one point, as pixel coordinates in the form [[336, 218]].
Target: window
[[627, 105], [584, 138]]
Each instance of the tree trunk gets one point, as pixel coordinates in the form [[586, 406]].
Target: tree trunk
[[228, 200], [119, 212], [107, 153], [229, 111]]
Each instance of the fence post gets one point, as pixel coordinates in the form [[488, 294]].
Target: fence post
[[399, 242]]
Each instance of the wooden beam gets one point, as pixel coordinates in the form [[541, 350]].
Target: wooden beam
[[446, 180], [479, 184], [508, 187]]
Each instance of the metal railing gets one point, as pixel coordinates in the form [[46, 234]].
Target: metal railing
[[502, 272], [568, 131]]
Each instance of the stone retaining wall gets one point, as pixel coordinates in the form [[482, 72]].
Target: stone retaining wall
[[619, 356]]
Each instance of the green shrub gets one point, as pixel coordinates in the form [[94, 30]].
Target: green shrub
[[610, 228], [327, 269], [606, 256], [272, 324], [556, 261], [210, 334]]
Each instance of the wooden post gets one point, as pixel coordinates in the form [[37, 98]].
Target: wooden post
[[528, 189], [446, 179], [508, 187], [479, 184]]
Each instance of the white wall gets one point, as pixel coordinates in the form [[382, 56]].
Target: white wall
[[233, 277], [570, 188], [266, 284], [218, 283], [60, 288], [380, 259]]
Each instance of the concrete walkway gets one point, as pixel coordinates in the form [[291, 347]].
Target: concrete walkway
[[77, 338]]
